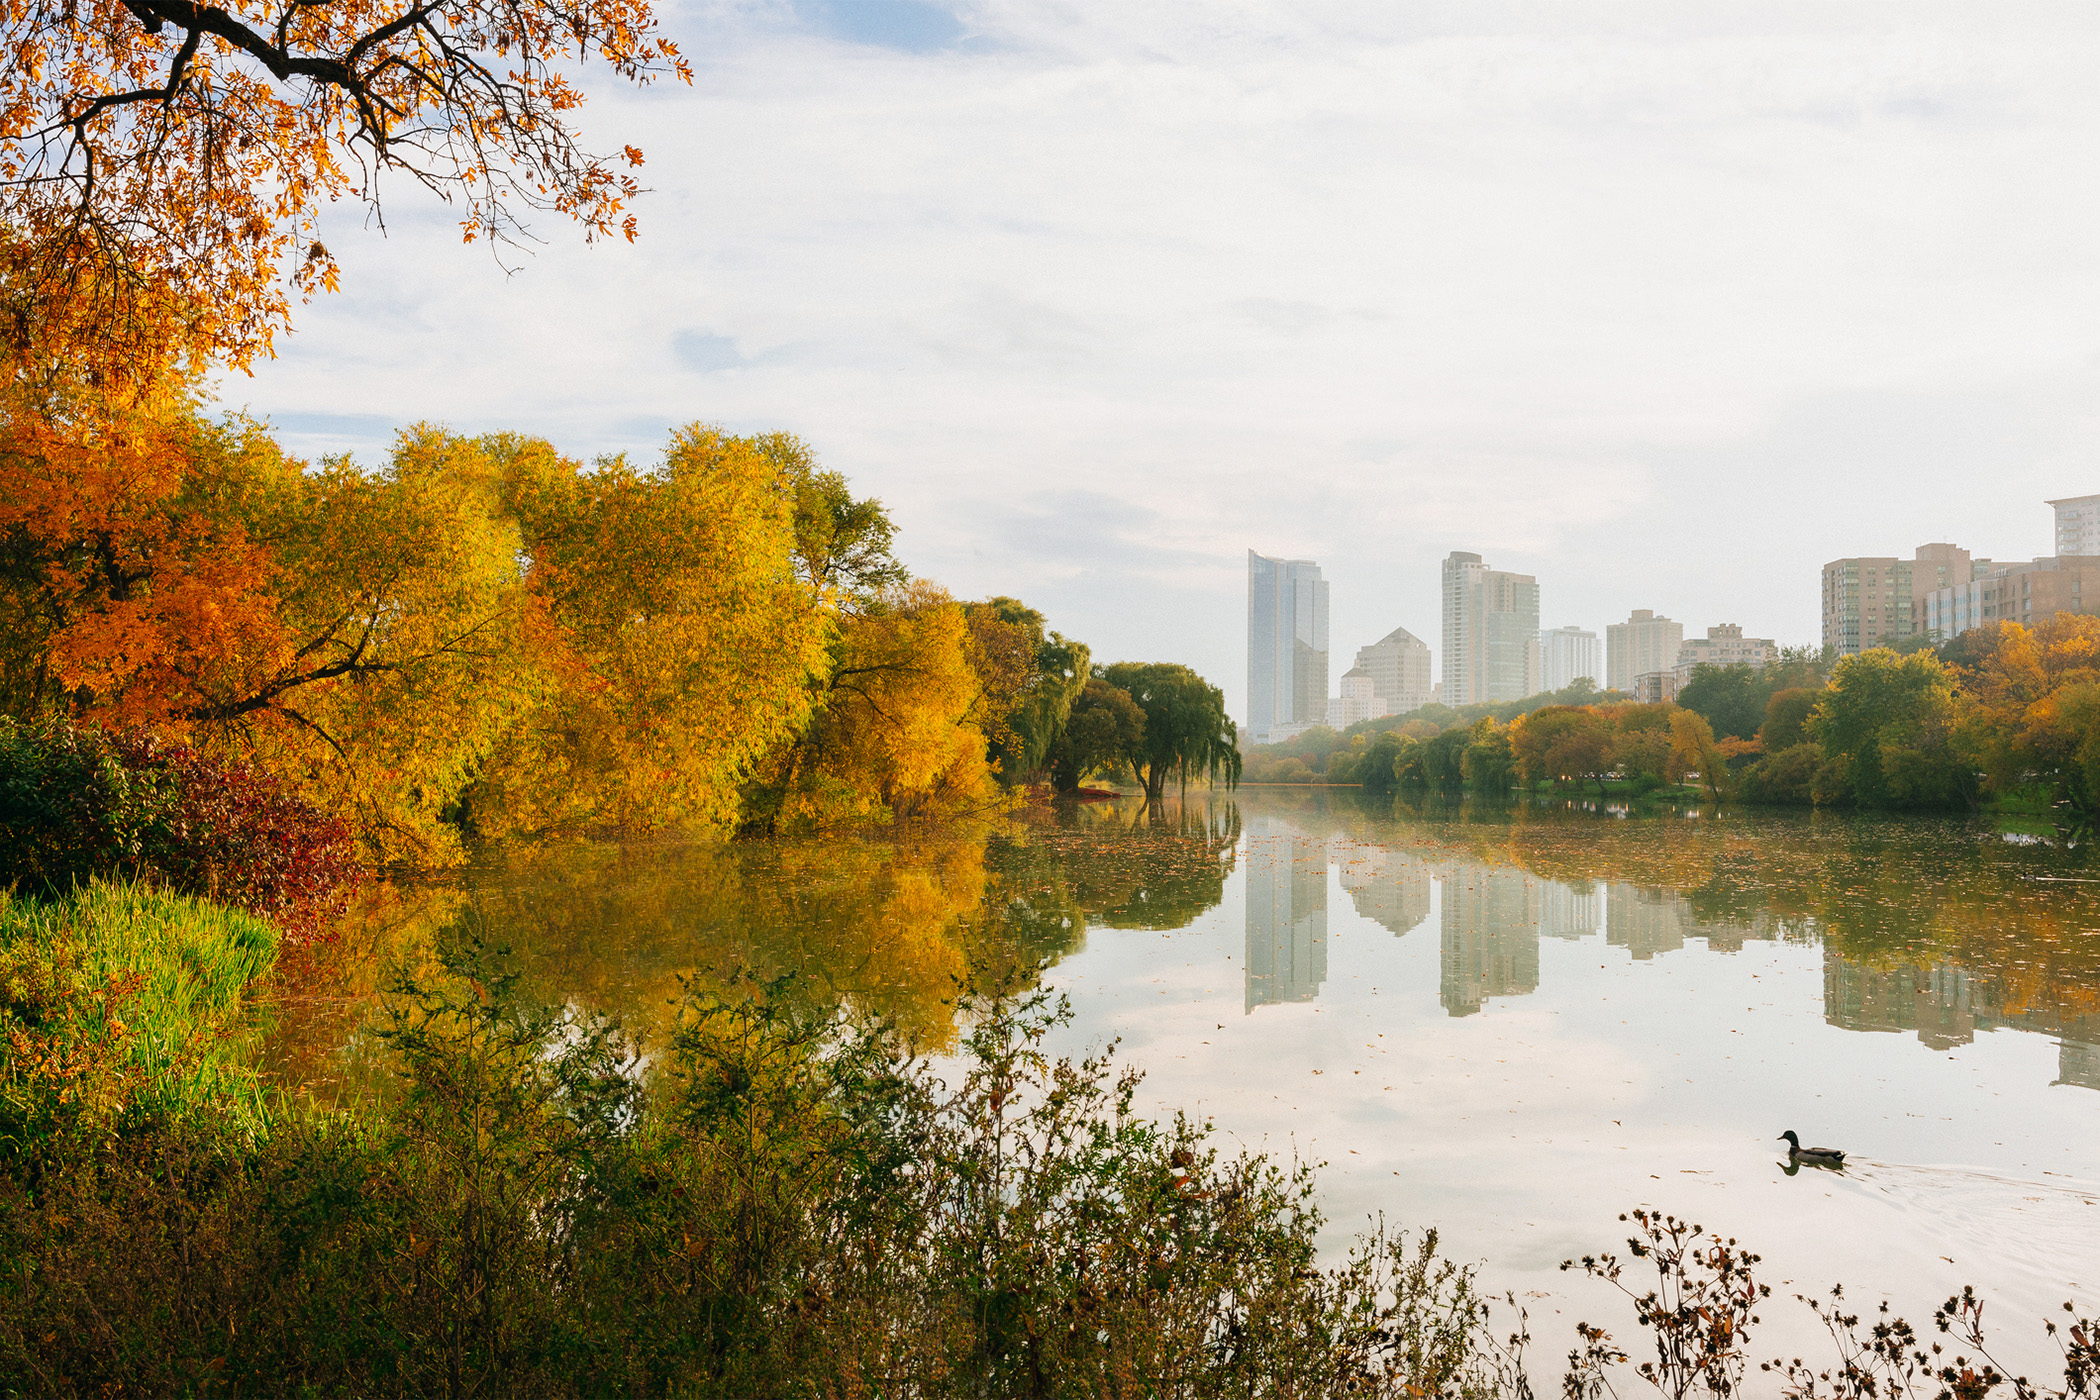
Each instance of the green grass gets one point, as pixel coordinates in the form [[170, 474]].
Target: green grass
[[151, 991]]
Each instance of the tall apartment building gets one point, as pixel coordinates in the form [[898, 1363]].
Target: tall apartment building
[[1398, 665], [1724, 645], [1564, 654], [2022, 593], [1286, 644], [1491, 632], [2077, 525], [1874, 602], [1866, 603], [1644, 643]]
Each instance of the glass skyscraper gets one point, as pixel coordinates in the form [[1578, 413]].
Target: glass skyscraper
[[1286, 644]]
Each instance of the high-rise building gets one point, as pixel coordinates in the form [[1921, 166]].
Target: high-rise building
[[1874, 602], [2077, 525], [1398, 665], [1639, 646], [1491, 632], [1286, 644], [1566, 653], [1723, 646]]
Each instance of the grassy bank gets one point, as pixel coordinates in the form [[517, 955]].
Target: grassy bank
[[122, 1002]]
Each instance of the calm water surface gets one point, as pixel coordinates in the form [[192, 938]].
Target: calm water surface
[[1509, 1023]]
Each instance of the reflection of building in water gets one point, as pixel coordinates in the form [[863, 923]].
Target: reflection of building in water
[[1569, 911], [1649, 921], [1644, 922], [1286, 914], [1947, 1006], [2078, 1063], [1935, 1002], [1390, 888], [1491, 936]]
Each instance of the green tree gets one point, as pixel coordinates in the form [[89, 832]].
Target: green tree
[[1786, 718], [1885, 727], [844, 548], [1054, 672], [1443, 759], [1730, 698], [1187, 731], [1103, 730], [1377, 768], [1488, 764]]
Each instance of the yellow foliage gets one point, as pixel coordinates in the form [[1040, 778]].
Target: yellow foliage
[[676, 644], [897, 734]]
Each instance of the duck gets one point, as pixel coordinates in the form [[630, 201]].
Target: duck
[[1826, 1155]]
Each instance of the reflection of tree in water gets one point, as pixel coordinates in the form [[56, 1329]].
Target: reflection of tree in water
[[1138, 866], [889, 925]]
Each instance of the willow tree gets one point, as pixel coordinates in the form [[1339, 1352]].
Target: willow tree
[[1187, 732], [1032, 678]]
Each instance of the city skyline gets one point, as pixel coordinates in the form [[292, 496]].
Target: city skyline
[[1864, 601]]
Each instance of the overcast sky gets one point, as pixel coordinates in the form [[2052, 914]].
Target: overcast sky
[[1665, 303]]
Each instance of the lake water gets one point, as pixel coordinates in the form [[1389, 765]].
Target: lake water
[[1512, 1023]]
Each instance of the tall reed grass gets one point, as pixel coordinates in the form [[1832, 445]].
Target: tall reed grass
[[125, 1004]]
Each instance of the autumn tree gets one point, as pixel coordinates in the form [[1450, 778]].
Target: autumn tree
[[163, 164], [894, 734], [675, 643], [1187, 733], [1569, 744], [2031, 707], [1103, 730], [354, 631], [1693, 750]]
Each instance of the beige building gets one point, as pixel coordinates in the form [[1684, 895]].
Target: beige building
[[1358, 701], [1723, 646], [1399, 668], [1655, 687], [2022, 593], [1640, 644], [2077, 525], [1876, 602]]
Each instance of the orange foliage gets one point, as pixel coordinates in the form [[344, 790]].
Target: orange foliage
[[164, 162]]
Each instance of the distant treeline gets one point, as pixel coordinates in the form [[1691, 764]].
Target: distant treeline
[[2005, 712]]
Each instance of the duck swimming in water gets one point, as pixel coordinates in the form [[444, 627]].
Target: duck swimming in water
[[1827, 1156]]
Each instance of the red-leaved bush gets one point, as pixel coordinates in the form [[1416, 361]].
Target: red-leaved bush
[[78, 802]]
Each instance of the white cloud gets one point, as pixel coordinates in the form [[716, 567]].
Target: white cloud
[[1665, 303]]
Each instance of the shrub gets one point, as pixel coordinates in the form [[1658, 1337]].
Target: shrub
[[80, 803], [1785, 778]]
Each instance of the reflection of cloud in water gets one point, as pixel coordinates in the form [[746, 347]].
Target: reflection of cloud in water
[[1967, 1215]]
